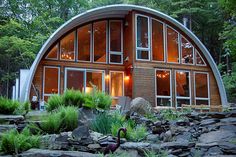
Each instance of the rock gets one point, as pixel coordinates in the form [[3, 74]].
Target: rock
[[11, 118], [228, 147], [176, 144], [4, 128], [183, 122], [216, 136], [230, 120], [127, 153], [57, 153], [140, 106], [197, 152], [184, 136], [232, 113], [81, 132], [154, 138], [213, 151], [86, 116], [206, 145], [135, 145], [167, 136], [218, 115], [96, 136], [206, 122], [94, 146], [228, 127]]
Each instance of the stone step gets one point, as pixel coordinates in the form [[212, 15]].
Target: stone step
[[56, 153], [9, 118], [4, 128]]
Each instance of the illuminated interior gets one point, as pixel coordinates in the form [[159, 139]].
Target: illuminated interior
[[52, 54], [100, 38], [157, 41], [75, 80], [67, 47], [93, 79], [172, 46], [84, 39], [187, 51], [201, 89], [199, 59], [116, 84], [182, 88]]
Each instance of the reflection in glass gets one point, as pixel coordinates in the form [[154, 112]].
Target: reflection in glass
[[99, 35], [164, 102], [84, 35], [199, 59], [53, 52], [93, 79], [142, 32], [115, 36], [181, 102], [67, 47], [187, 51], [172, 46], [201, 85], [202, 102], [163, 83], [75, 80], [51, 80], [142, 54], [116, 84], [157, 41], [182, 84], [115, 58]]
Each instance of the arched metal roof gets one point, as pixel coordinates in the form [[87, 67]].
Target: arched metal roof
[[119, 10]]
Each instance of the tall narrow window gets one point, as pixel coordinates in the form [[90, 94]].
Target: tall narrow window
[[187, 51], [199, 60], [67, 47], [84, 42], [116, 84], [53, 53], [116, 55], [172, 46], [142, 37], [163, 88], [202, 88], [182, 84], [51, 81], [94, 79], [157, 41], [100, 41]]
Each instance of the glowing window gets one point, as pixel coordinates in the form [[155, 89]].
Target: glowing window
[[199, 60], [157, 41], [100, 40], [187, 51], [116, 84], [201, 88], [84, 41], [172, 46], [67, 47], [93, 79], [52, 54], [75, 80], [51, 80]]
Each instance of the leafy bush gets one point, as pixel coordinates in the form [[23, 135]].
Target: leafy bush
[[8, 106], [54, 102], [73, 97], [14, 142], [169, 114], [23, 108], [138, 133], [62, 119], [103, 100]]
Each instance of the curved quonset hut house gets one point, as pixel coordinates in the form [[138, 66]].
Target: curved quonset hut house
[[127, 50]]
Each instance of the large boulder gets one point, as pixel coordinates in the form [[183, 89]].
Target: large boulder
[[140, 106]]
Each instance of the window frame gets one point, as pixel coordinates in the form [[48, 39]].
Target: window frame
[[181, 36], [164, 41], [208, 87], [75, 40], [107, 29], [123, 83], [85, 76], [90, 45], [179, 45], [116, 52], [171, 90], [59, 80], [197, 52], [190, 89], [58, 49], [149, 41]]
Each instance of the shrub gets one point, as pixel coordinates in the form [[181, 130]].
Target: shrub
[[23, 108], [8, 106], [169, 114], [73, 97], [138, 133], [14, 142], [54, 102], [62, 119], [103, 100]]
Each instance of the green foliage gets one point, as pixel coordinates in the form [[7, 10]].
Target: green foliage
[[62, 119], [73, 97], [161, 153], [14, 142], [8, 106], [54, 102], [169, 114], [103, 100]]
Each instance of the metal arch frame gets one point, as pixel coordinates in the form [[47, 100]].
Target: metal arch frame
[[119, 10]]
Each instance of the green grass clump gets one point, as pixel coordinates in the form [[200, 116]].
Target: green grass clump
[[60, 120], [103, 100], [13, 142], [169, 114], [54, 102], [73, 97], [8, 106]]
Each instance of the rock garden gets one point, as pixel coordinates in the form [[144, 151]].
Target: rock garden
[[76, 124]]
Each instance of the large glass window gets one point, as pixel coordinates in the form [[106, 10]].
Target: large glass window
[[84, 41], [67, 47], [51, 80], [142, 37], [182, 84], [172, 46], [100, 41], [84, 80], [116, 55], [187, 51], [201, 88], [52, 54], [157, 41], [163, 88], [199, 59], [116, 83]]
